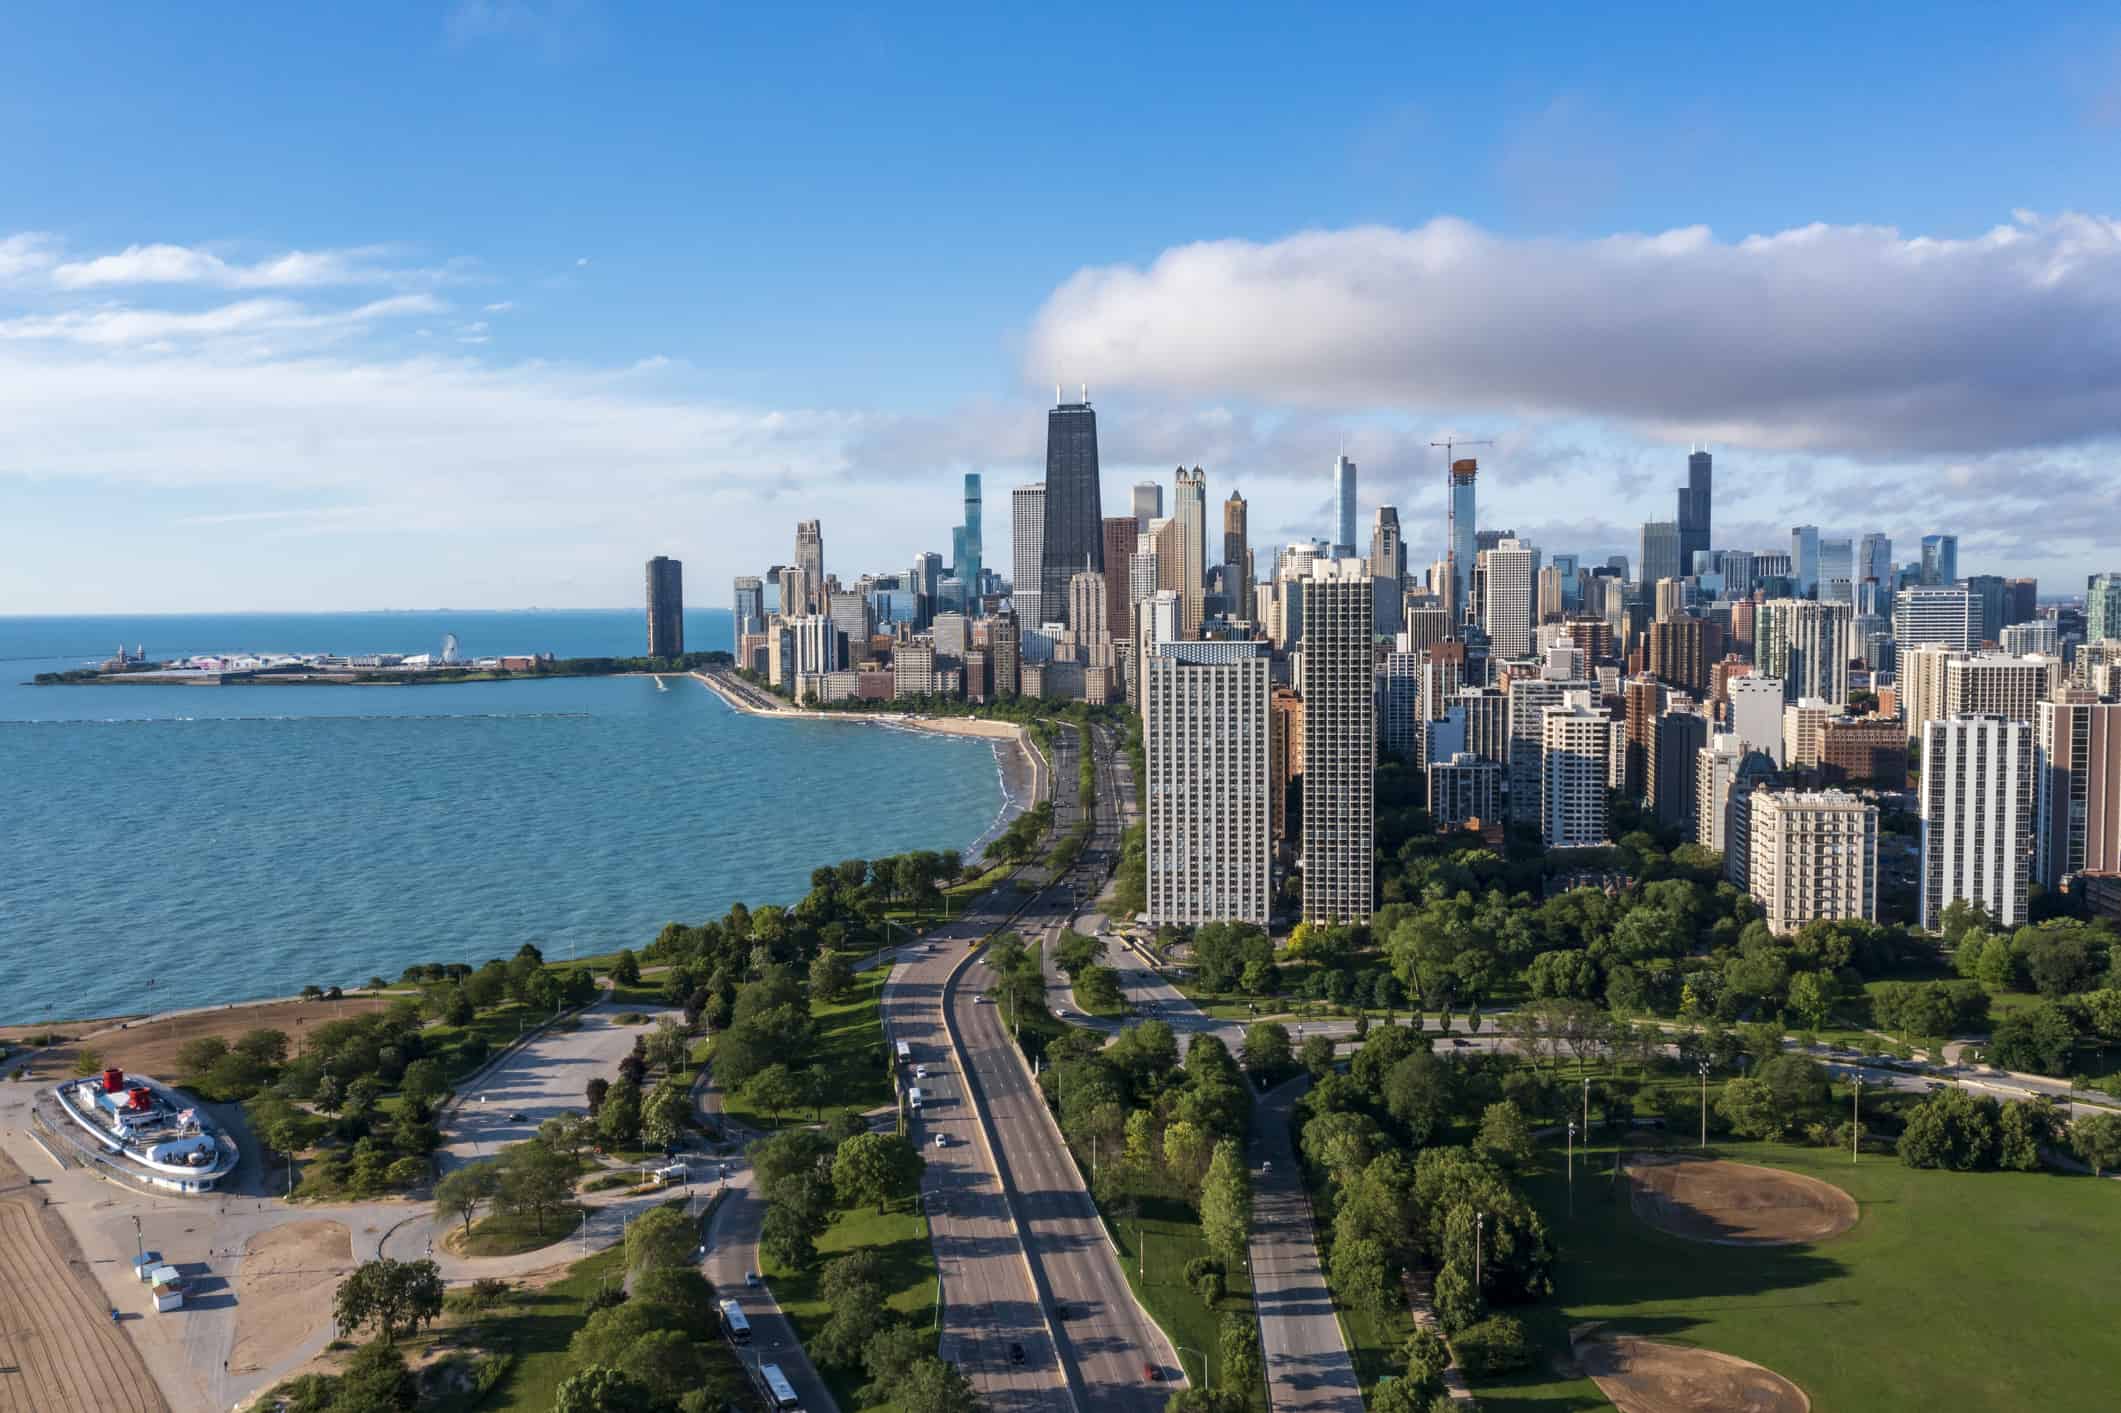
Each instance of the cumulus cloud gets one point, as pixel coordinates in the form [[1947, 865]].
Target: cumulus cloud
[[1852, 339], [28, 252]]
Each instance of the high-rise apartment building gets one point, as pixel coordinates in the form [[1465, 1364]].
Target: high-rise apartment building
[[1459, 487], [1936, 615], [1090, 618], [1813, 857], [1529, 697], [817, 644], [1464, 788], [1027, 539], [1237, 555], [1340, 743], [1552, 602], [1148, 504], [1756, 704], [1695, 499], [1400, 718], [750, 606], [1806, 646], [913, 668], [666, 607], [1642, 698], [1803, 731], [1683, 652], [1508, 571], [1074, 539], [1286, 758], [1189, 511], [1344, 504], [1206, 743], [1660, 552], [810, 559], [1120, 540], [1940, 560], [1388, 550], [1422, 626], [1995, 684], [2077, 787], [1977, 817], [1677, 738], [1004, 654], [2102, 606], [1804, 559], [2038, 635], [1576, 743], [1989, 593], [1715, 769], [1870, 750], [970, 547], [848, 612], [2021, 601], [1874, 561]]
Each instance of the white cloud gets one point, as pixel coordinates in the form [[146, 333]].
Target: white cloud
[[162, 264], [500, 306], [580, 261], [28, 252], [119, 326], [1854, 339]]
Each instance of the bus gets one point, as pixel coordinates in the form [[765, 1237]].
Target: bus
[[779, 1392], [905, 1053], [734, 1324]]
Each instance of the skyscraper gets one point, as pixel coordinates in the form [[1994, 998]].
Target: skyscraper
[[1207, 746], [1344, 502], [1189, 508], [1806, 645], [1977, 817], [1388, 549], [810, 558], [1074, 539], [1940, 560], [1120, 539], [1506, 608], [1575, 759], [1813, 856], [666, 607], [1694, 505], [1837, 571], [1936, 615], [1459, 541], [1340, 743], [750, 606], [970, 551], [1237, 554], [1148, 504], [1660, 552], [1804, 559], [1874, 561], [2102, 606], [1027, 542], [2077, 790]]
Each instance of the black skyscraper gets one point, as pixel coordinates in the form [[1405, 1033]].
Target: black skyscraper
[[666, 608], [1693, 514], [1074, 513]]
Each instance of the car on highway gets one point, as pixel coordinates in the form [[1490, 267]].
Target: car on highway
[[1016, 1352], [920, 1071], [1266, 1165], [751, 1278], [519, 1118], [983, 999], [942, 1140], [1153, 1374]]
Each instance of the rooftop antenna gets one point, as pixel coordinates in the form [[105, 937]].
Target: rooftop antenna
[[1086, 394]]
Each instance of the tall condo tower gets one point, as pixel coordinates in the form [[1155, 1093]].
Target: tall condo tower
[[1940, 560], [1340, 742], [1693, 518], [1074, 517], [810, 558], [1461, 531], [666, 607], [750, 607], [969, 553], [1344, 502], [1148, 504], [1027, 537], [1189, 507]]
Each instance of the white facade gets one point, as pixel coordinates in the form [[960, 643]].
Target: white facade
[[1804, 731], [1027, 543], [1509, 572], [1813, 855], [1806, 645], [1340, 743], [2038, 636], [1977, 816], [1756, 713], [1576, 760], [1206, 744], [1529, 697], [1937, 615]]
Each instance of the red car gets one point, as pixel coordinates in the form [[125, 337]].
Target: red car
[[1152, 1373]]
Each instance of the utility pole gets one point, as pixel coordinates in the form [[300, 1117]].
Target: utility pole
[[1704, 1106], [1480, 1223], [1572, 1168], [1855, 1118]]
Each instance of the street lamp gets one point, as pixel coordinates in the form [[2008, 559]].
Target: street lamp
[[1572, 1167], [1480, 1224], [1855, 1118], [1182, 1351], [1704, 1068]]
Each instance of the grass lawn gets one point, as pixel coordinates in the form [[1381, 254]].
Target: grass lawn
[[850, 1045], [1954, 1290], [1171, 1230], [900, 1239], [536, 1326], [508, 1234]]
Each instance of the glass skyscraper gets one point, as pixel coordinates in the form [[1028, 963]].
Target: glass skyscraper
[[1693, 518], [1940, 560], [1344, 502], [1460, 543], [1074, 512]]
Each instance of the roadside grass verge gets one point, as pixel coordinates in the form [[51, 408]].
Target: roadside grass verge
[[1899, 1312], [1154, 1248], [511, 1234], [850, 1045], [899, 1237]]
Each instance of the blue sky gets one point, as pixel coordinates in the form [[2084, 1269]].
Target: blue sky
[[480, 305]]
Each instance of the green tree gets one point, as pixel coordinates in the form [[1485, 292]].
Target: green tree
[[2096, 1139], [535, 1182], [1749, 1107], [1317, 1055], [1951, 1129], [831, 978], [1238, 1343], [626, 971], [1187, 1151], [2023, 1128], [1226, 1203], [1361, 1275], [891, 1351], [667, 1364], [608, 1333], [394, 1296], [376, 1381], [1266, 1049], [931, 1386], [267, 1047], [2038, 1039], [774, 1089], [1504, 1134], [663, 1115], [876, 1167], [788, 1237], [598, 1389], [1417, 1092], [662, 1236], [1812, 996]]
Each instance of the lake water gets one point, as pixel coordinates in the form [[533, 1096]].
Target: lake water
[[229, 843]]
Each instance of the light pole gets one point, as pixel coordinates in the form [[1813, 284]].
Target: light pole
[[1704, 1068], [1182, 1351], [1855, 1118], [1587, 1109], [1480, 1224], [1572, 1168]]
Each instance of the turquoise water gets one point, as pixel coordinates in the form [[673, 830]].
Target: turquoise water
[[236, 842]]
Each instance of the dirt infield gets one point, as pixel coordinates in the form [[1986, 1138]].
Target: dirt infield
[[284, 1290], [1649, 1376], [59, 1351], [1735, 1204], [151, 1046]]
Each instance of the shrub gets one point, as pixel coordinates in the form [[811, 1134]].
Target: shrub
[[1496, 1345]]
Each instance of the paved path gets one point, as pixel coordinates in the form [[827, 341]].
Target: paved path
[[1308, 1364]]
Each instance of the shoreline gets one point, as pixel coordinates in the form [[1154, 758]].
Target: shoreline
[[1021, 789]]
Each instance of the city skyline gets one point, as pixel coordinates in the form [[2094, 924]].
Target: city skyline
[[313, 394]]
